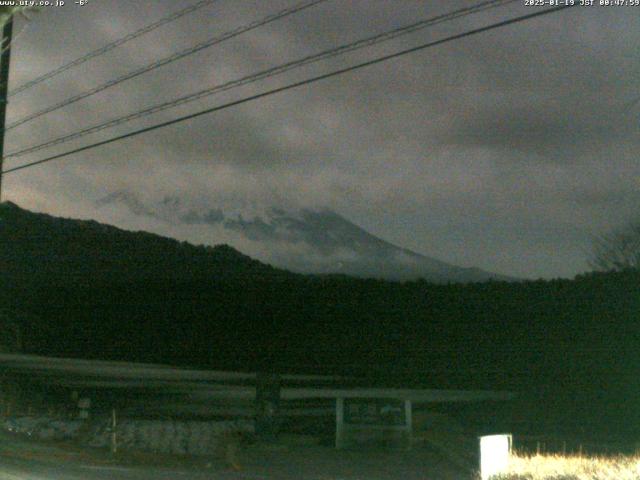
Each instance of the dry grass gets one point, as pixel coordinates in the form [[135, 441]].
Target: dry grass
[[572, 467]]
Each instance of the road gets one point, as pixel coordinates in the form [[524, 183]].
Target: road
[[22, 469], [349, 467], [22, 459]]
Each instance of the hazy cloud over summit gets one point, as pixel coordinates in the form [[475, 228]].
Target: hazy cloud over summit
[[305, 241]]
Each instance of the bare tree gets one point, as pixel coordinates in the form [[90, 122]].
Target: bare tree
[[618, 250]]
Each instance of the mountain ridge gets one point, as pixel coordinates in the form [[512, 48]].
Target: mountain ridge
[[41, 246], [307, 241], [549, 336]]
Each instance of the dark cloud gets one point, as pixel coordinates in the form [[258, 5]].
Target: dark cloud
[[129, 200], [256, 229], [211, 217], [567, 129]]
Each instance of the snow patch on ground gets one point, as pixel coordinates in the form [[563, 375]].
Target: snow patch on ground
[[162, 436], [43, 428]]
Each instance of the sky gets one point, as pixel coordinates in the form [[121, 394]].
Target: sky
[[508, 151]]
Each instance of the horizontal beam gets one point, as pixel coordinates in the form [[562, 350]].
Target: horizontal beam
[[133, 370], [416, 396], [209, 383]]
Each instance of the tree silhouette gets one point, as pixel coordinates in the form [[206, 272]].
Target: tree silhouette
[[618, 250]]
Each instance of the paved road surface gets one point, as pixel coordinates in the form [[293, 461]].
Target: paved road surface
[[29, 460], [312, 465], [21, 469]]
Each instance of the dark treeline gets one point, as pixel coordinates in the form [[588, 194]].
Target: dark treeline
[[570, 347]]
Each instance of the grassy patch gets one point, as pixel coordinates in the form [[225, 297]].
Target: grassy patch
[[572, 467]]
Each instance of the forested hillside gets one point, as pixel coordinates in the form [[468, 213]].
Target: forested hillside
[[88, 290]]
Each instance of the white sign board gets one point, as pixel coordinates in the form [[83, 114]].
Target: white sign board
[[494, 455], [373, 421]]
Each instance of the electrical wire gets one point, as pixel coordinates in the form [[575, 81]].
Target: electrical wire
[[121, 41], [167, 60], [332, 52], [290, 86]]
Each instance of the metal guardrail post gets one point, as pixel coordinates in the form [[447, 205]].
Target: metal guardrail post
[[267, 406], [339, 423]]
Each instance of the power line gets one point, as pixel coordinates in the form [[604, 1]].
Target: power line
[[292, 86], [121, 41], [332, 52], [165, 61]]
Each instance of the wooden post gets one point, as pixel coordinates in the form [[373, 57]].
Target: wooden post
[[267, 405], [114, 437], [84, 404], [408, 415], [339, 423]]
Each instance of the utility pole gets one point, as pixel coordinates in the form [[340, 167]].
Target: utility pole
[[5, 59]]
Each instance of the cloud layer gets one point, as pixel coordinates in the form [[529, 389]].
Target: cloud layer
[[506, 151]]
